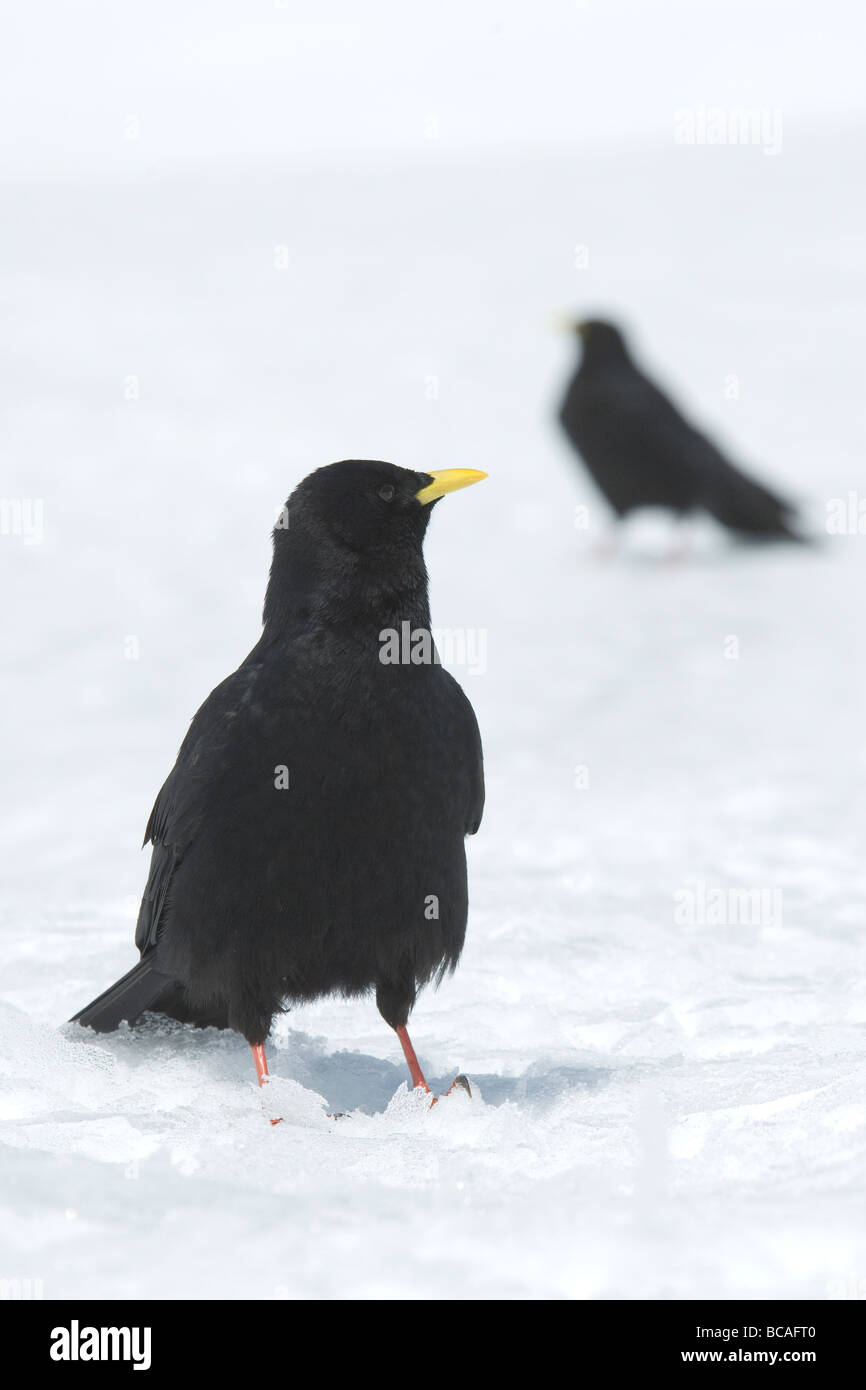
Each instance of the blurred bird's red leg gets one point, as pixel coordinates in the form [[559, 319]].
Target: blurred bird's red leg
[[261, 1061], [607, 544], [415, 1071], [680, 544]]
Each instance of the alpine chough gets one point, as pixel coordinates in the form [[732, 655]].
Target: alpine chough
[[643, 453], [309, 839]]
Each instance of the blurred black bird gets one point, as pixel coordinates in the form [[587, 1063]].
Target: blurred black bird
[[309, 839], [643, 453]]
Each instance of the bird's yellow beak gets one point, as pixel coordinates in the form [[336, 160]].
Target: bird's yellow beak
[[563, 323], [448, 480]]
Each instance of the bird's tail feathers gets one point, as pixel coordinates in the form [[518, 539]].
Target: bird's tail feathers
[[139, 989], [750, 509]]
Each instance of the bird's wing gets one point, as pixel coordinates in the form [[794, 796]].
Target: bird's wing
[[643, 420], [473, 758], [670, 444], [180, 808]]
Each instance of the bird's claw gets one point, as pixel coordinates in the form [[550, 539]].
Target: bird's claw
[[461, 1082]]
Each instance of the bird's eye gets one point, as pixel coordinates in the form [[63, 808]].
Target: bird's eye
[[387, 493]]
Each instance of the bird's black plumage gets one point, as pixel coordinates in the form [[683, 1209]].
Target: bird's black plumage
[[353, 876], [643, 453]]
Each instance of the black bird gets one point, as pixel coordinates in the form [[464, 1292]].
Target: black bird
[[643, 453], [309, 839]]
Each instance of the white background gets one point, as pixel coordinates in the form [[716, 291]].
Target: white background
[[662, 1108]]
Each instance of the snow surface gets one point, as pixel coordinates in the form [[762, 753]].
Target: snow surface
[[662, 1107]]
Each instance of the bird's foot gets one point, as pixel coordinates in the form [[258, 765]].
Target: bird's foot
[[460, 1083], [417, 1075], [679, 547], [278, 1120]]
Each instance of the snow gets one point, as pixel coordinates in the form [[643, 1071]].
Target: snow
[[667, 1101]]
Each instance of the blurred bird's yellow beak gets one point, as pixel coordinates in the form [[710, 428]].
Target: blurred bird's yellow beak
[[562, 323], [448, 480]]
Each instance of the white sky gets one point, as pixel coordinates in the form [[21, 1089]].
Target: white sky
[[266, 77]]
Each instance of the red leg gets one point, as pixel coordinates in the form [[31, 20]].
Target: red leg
[[415, 1071], [261, 1061], [415, 1068]]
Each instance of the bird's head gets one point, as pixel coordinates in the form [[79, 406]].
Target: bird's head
[[372, 509], [601, 340], [353, 532]]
